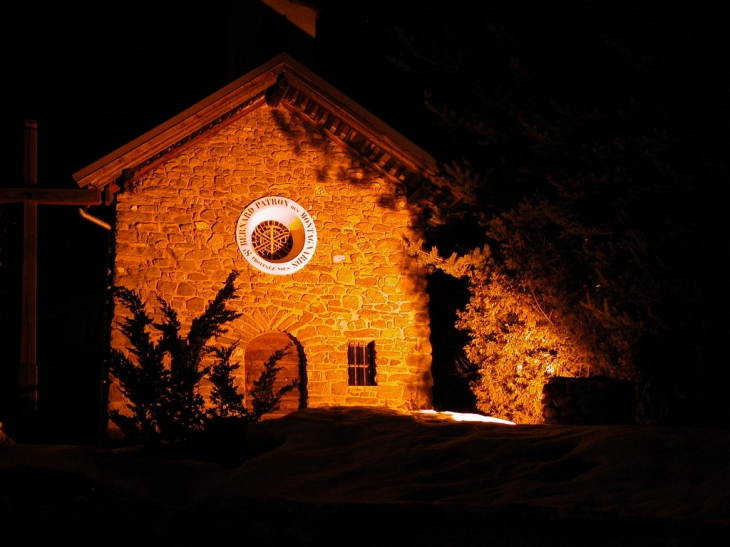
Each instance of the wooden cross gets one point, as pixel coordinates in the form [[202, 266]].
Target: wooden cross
[[31, 196]]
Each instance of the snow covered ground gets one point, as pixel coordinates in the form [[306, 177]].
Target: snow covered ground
[[350, 476]]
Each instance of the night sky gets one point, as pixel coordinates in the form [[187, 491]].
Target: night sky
[[97, 75]]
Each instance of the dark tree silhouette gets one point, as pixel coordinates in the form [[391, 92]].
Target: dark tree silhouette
[[163, 400], [585, 145], [226, 399], [264, 398]]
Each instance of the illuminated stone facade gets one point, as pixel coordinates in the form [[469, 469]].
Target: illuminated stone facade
[[176, 236]]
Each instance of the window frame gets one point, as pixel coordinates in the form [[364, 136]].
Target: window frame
[[361, 364]]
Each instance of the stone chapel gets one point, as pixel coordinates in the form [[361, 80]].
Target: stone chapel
[[309, 197]]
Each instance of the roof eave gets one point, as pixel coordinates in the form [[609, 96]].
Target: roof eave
[[107, 169], [248, 92]]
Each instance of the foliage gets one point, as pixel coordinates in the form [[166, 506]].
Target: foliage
[[264, 398], [516, 347], [517, 341], [160, 381], [596, 197], [144, 383], [227, 401]]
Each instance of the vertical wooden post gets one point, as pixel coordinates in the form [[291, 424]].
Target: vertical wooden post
[[30, 195], [28, 375]]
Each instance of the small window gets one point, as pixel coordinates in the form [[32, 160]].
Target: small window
[[361, 364]]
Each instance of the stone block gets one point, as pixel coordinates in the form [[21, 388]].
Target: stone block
[[417, 331], [390, 392], [317, 388], [197, 254], [364, 334], [586, 401], [211, 264], [146, 226], [186, 289], [196, 304], [166, 287], [372, 296], [304, 333], [344, 275], [388, 246], [361, 400], [392, 333]]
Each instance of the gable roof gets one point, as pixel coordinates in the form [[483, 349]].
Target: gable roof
[[281, 83]]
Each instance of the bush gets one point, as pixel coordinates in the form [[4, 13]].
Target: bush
[[160, 380], [227, 401], [164, 401], [265, 399]]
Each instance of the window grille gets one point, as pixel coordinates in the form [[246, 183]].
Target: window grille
[[361, 364]]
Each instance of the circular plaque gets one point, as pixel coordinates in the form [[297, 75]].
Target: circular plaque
[[276, 235]]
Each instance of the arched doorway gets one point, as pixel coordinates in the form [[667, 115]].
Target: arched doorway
[[258, 352]]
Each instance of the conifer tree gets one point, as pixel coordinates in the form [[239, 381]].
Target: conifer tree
[[160, 379], [143, 379], [595, 190], [227, 401], [264, 398]]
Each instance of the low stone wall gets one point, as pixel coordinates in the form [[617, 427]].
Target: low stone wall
[[588, 401]]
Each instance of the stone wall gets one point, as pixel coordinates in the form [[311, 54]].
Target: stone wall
[[175, 240], [597, 400]]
